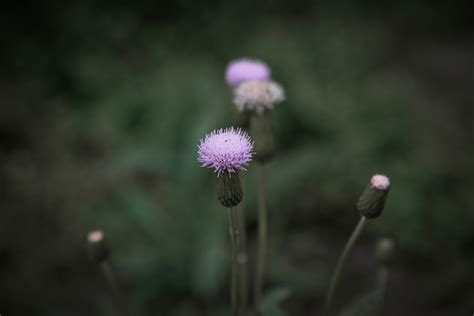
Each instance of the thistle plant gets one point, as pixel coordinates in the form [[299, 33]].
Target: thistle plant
[[258, 97], [370, 205], [228, 151], [240, 71], [99, 254]]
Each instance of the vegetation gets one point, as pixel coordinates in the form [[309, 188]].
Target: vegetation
[[102, 109]]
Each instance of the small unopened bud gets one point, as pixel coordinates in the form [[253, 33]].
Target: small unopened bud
[[385, 250], [229, 189], [98, 249], [372, 201], [263, 135]]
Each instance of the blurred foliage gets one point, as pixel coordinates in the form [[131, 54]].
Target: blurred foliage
[[365, 305], [106, 105], [269, 306]]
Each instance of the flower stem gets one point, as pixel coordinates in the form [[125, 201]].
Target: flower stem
[[109, 275], [242, 258], [262, 235], [335, 277], [382, 277], [235, 240]]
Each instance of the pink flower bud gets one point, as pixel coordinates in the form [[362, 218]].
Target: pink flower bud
[[380, 182], [95, 236]]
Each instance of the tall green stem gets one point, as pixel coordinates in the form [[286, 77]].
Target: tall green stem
[[335, 277], [382, 277], [242, 258], [112, 280], [262, 234], [235, 240]]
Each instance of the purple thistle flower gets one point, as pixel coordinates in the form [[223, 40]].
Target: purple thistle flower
[[225, 150], [241, 70]]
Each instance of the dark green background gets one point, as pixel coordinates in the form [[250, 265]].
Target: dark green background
[[102, 107]]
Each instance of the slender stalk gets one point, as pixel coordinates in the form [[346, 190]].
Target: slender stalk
[[262, 235], [109, 275], [242, 258], [382, 277], [235, 240], [335, 277]]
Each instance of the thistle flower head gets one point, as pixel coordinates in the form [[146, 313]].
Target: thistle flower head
[[225, 150], [258, 96], [241, 70], [380, 182]]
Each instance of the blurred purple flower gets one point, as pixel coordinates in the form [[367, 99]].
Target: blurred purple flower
[[225, 150], [241, 70]]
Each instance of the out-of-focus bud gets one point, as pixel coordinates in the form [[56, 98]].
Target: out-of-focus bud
[[98, 249], [385, 250]]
